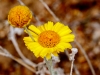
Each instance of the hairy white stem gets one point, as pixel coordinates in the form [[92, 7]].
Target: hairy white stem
[[85, 55], [42, 69], [50, 11], [49, 65], [75, 68], [59, 71], [13, 39], [72, 63], [71, 58]]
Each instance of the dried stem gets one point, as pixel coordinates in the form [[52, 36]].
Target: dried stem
[[50, 11], [24, 64], [72, 63], [71, 58], [5, 53], [76, 70], [20, 2], [85, 55]]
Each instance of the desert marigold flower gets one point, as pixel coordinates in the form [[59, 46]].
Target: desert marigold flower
[[19, 16], [49, 39]]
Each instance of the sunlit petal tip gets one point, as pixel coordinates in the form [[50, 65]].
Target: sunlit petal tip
[[36, 55], [25, 31], [41, 28], [70, 47], [48, 56], [73, 36], [25, 38], [50, 22], [57, 26], [55, 53], [60, 23]]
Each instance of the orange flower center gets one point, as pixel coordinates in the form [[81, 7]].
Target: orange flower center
[[19, 16], [49, 39]]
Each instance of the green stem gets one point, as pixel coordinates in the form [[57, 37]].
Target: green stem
[[29, 34], [50, 66]]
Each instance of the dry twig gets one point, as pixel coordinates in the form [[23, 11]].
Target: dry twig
[[5, 53]]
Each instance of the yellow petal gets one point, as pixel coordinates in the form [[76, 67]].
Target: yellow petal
[[51, 50], [37, 51], [55, 53], [46, 26], [68, 38], [57, 27], [48, 56], [44, 52], [59, 46], [50, 25], [67, 45], [34, 29], [32, 45], [41, 28], [60, 49], [64, 31], [27, 39]]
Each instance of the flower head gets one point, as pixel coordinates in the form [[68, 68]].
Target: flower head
[[19, 16], [49, 39]]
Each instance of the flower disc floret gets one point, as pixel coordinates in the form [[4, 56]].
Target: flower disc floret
[[19, 16], [49, 39]]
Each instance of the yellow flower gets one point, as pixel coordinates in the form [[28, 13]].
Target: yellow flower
[[19, 16], [49, 39]]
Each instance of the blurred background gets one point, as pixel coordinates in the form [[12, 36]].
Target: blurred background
[[82, 16]]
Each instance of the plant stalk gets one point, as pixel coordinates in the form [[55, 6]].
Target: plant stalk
[[50, 66]]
